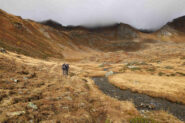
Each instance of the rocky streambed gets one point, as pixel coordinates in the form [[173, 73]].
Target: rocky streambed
[[142, 102]]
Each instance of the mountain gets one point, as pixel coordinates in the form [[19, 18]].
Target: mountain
[[50, 39], [173, 31], [178, 24], [53, 24]]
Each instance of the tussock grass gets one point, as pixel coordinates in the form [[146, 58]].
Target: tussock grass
[[142, 120], [153, 85]]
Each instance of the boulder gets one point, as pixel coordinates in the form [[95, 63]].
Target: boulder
[[2, 50], [102, 65], [109, 73], [132, 67], [14, 80], [33, 106], [17, 113], [151, 106]]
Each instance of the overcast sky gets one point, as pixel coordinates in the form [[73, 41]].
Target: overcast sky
[[148, 14]]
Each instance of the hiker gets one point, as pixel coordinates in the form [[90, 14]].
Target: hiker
[[65, 68]]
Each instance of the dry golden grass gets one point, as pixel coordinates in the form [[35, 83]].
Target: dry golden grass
[[164, 79], [171, 88], [163, 117], [59, 99]]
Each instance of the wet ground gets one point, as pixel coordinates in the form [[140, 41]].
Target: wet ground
[[141, 101]]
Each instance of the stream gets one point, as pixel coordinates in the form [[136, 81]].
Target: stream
[[142, 102]]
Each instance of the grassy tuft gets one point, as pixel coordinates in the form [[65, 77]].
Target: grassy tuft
[[142, 120], [169, 67], [151, 69], [161, 73], [135, 68], [180, 73], [107, 121]]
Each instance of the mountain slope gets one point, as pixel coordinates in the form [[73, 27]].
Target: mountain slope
[[173, 31], [51, 39], [178, 24], [23, 36], [30, 38]]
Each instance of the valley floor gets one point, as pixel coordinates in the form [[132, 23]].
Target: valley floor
[[34, 90]]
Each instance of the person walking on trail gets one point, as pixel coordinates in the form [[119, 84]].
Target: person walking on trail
[[65, 69]]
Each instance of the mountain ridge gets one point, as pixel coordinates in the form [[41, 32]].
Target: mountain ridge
[[51, 39]]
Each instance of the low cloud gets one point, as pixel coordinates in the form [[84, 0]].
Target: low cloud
[[146, 14]]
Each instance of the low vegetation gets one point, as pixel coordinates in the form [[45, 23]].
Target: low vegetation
[[142, 120]]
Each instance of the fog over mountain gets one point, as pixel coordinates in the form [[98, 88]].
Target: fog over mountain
[[145, 14]]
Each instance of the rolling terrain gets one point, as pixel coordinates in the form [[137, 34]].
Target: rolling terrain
[[33, 89]]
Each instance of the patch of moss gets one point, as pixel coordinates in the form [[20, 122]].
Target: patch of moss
[[151, 69], [169, 67], [108, 121], [183, 57], [142, 120], [161, 73], [172, 74], [180, 73], [134, 69]]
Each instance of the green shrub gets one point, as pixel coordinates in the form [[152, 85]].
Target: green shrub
[[161, 73], [172, 74], [151, 69]]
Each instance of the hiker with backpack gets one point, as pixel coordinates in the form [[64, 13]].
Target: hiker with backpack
[[65, 69]]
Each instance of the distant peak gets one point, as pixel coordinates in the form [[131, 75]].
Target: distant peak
[[178, 23], [52, 23]]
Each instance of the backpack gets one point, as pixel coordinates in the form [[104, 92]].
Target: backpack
[[67, 66], [63, 66]]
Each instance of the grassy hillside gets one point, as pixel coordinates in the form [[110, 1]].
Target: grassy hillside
[[50, 39]]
